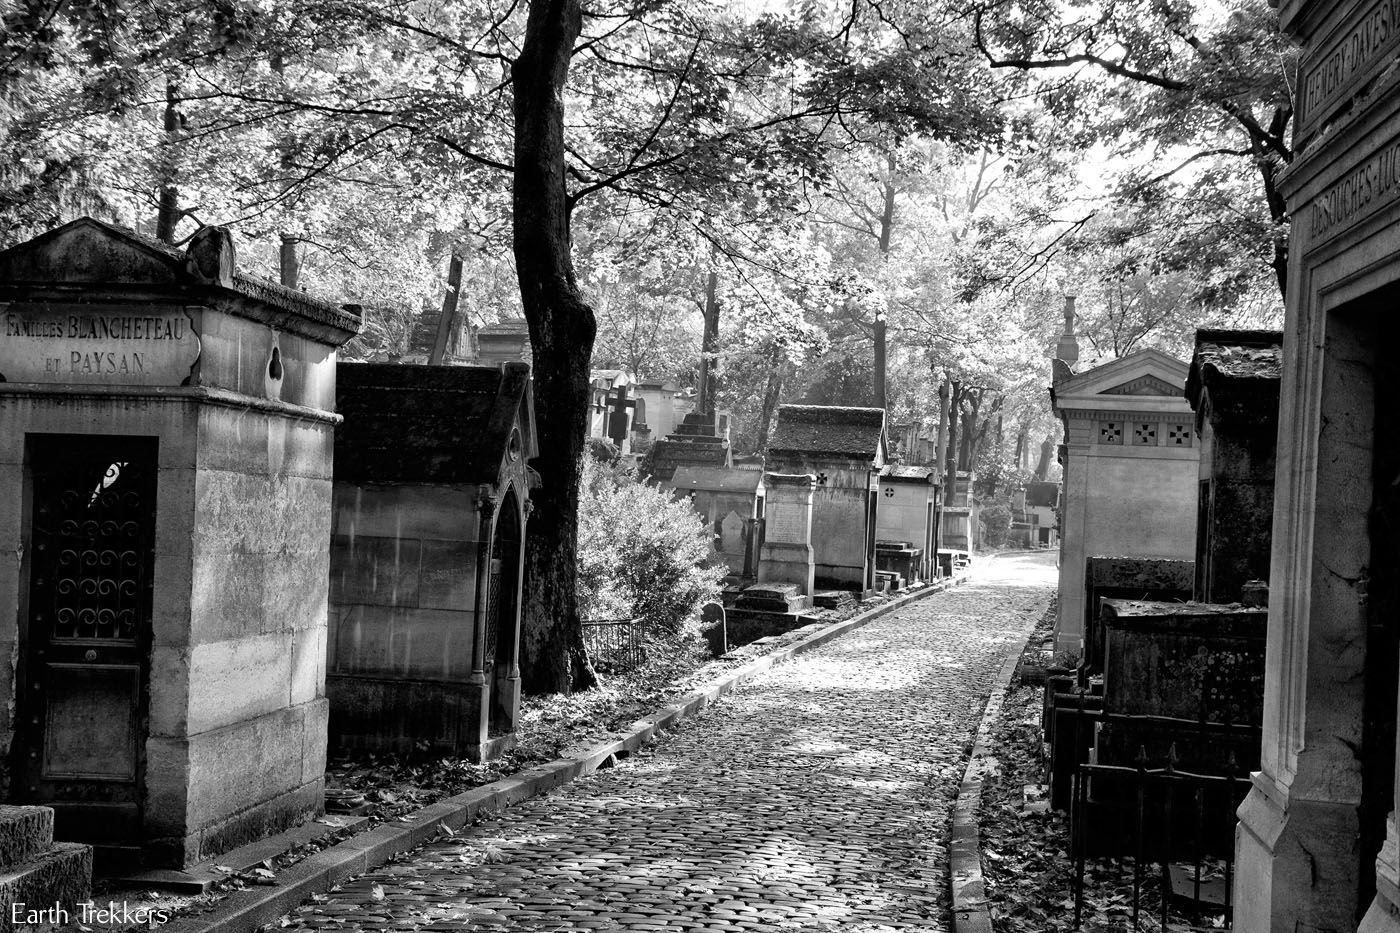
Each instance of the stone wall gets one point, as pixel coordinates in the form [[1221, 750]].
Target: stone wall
[[402, 618]]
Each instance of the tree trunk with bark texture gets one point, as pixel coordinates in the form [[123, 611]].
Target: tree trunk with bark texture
[[168, 209], [562, 328]]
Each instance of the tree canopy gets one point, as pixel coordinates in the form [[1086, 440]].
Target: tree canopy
[[622, 172]]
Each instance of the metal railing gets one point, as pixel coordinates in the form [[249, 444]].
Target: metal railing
[[1176, 824], [615, 644]]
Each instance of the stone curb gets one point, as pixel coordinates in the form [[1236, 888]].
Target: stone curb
[[246, 910], [970, 912]]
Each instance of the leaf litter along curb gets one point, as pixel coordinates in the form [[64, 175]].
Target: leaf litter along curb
[[1026, 859]]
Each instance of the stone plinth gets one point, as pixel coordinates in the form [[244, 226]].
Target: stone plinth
[[787, 555], [165, 470], [696, 443]]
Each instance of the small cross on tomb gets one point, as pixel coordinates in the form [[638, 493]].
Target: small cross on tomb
[[617, 415], [821, 479]]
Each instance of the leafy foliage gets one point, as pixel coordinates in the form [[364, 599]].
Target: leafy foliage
[[642, 554]]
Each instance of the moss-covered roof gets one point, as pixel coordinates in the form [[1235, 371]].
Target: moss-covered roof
[[829, 430], [429, 424], [1241, 368]]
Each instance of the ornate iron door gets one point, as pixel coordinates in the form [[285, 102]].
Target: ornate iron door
[[82, 692]]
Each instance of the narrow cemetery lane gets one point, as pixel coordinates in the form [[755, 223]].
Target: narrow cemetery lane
[[814, 798]]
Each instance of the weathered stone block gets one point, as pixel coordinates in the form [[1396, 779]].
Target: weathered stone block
[[238, 680], [1189, 661], [1128, 578], [170, 708], [308, 667], [61, 876], [240, 765], [25, 832]]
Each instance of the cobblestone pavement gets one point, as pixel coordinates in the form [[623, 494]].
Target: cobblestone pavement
[[816, 797]]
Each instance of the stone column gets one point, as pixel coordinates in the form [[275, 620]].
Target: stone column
[[478, 683], [787, 554], [1069, 625], [1297, 842]]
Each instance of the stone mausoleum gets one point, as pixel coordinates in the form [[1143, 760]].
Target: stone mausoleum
[[845, 449], [1130, 471], [166, 431], [1233, 386], [427, 556], [1317, 844]]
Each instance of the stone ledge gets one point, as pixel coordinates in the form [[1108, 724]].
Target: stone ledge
[[61, 877], [246, 911]]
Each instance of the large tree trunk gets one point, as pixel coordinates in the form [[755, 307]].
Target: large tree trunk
[[561, 336]]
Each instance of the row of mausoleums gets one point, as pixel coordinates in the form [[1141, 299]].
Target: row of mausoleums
[[1295, 483], [231, 552]]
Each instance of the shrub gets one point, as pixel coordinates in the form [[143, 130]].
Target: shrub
[[996, 523], [642, 554]]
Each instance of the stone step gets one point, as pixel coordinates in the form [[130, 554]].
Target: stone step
[[59, 878], [24, 833]]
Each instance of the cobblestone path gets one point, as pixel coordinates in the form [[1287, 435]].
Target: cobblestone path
[[814, 798]]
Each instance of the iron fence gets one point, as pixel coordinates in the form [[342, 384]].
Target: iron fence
[[1181, 823], [615, 644]]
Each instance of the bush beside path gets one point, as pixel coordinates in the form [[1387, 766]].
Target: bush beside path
[[816, 797]]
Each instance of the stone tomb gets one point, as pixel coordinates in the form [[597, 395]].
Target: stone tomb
[[1139, 578], [1131, 465], [730, 501], [908, 522], [427, 556], [845, 449], [1318, 844], [166, 427], [959, 517], [1233, 386], [787, 555]]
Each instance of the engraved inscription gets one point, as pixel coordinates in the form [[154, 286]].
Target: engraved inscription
[[1339, 63], [91, 346], [786, 524], [1371, 184]]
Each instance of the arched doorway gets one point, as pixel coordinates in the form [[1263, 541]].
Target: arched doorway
[[503, 616]]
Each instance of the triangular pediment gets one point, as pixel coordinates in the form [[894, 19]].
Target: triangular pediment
[[1144, 385], [1146, 373], [88, 251]]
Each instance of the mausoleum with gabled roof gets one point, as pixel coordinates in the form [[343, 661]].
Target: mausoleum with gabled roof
[[427, 556], [845, 449], [1130, 470]]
